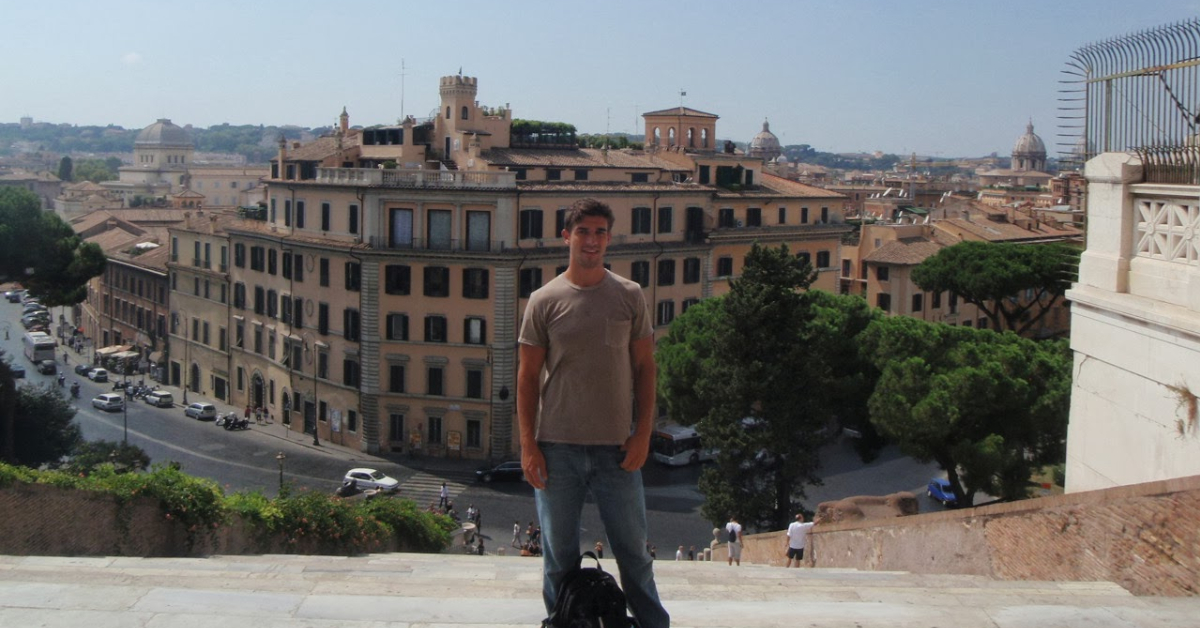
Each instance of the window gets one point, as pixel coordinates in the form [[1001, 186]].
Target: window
[[353, 226], [353, 276], [324, 272], [474, 434], [286, 271], [298, 267], [479, 231], [825, 215], [689, 302], [258, 339], [666, 216], [396, 427], [434, 383], [299, 214], [983, 323], [351, 319], [666, 272], [725, 218], [560, 221], [474, 384], [641, 220], [437, 229], [272, 304], [531, 224], [207, 258], [881, 273], [260, 300], [298, 313], [323, 364], [553, 174], [822, 259], [804, 215], [239, 334], [222, 339], [325, 216], [437, 281], [435, 328], [196, 253], [666, 312], [640, 272], [883, 301], [581, 174], [725, 267], [691, 270], [257, 258], [639, 177], [287, 213], [352, 420], [350, 371], [937, 301], [522, 173], [953, 303], [805, 257], [530, 280], [397, 326], [754, 217], [323, 319], [397, 279], [782, 215], [285, 309], [918, 302], [475, 283], [396, 378], [474, 331]]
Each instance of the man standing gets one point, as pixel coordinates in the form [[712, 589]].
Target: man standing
[[516, 542], [734, 529], [797, 535], [586, 356], [444, 496]]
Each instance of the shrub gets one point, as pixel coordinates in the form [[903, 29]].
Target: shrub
[[420, 530]]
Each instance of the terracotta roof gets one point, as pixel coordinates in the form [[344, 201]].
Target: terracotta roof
[[153, 259], [576, 158], [321, 148], [904, 251], [795, 188], [993, 231], [680, 111], [116, 240]]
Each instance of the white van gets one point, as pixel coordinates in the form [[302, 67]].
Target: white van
[[160, 399]]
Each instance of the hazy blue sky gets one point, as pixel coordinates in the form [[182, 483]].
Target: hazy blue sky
[[939, 77]]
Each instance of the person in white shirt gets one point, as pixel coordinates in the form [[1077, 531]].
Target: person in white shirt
[[797, 535], [734, 530], [679, 553]]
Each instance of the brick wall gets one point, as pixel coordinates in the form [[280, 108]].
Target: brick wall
[[1145, 537]]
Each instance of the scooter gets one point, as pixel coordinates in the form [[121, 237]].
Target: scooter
[[75, 390], [119, 386], [221, 418], [232, 422]]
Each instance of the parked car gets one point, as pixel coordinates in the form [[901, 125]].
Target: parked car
[[14, 296], [509, 471], [82, 369], [18, 371], [939, 489], [109, 402], [370, 478], [37, 319], [98, 375], [33, 306], [47, 367], [160, 399], [201, 411]]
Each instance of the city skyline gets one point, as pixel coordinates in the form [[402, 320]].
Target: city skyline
[[940, 78]]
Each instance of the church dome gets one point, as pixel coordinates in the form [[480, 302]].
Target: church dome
[[1030, 143], [765, 145], [163, 133]]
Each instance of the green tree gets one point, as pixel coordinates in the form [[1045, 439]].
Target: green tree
[[996, 276], [43, 252], [87, 456], [64, 169], [987, 407], [94, 170], [43, 427], [750, 370]]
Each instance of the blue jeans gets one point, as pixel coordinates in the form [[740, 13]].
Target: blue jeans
[[572, 472]]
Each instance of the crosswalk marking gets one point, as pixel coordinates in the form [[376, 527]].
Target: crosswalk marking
[[425, 489]]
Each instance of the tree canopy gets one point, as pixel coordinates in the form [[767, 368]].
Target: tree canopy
[[761, 371], [43, 252], [996, 277], [987, 407], [43, 429]]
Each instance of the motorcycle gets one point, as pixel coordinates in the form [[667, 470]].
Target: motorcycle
[[119, 386], [232, 422], [75, 390], [61, 380], [221, 418]]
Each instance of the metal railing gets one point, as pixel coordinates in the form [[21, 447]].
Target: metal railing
[[1133, 92], [423, 244], [439, 179]]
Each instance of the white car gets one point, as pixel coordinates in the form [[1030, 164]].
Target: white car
[[98, 375], [160, 399], [370, 478], [201, 411], [108, 402]]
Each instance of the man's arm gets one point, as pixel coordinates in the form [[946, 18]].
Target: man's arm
[[645, 373], [529, 395]]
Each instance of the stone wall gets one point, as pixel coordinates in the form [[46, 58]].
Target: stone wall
[[1145, 537]]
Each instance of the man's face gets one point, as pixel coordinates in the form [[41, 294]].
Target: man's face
[[588, 241]]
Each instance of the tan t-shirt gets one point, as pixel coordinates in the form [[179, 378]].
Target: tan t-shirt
[[587, 381]]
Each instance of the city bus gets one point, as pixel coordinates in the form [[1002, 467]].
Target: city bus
[[39, 346], [677, 445]]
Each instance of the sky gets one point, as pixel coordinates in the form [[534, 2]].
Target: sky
[[944, 78]]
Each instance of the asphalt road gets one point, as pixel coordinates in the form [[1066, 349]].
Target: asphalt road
[[247, 460]]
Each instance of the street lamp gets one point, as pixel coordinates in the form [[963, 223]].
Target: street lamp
[[125, 405], [280, 458], [309, 348], [183, 319]]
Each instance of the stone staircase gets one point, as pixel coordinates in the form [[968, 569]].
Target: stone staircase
[[442, 590]]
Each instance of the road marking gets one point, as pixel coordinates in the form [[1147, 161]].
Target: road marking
[[424, 488]]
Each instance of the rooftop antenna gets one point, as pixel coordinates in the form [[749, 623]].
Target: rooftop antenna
[[402, 117]]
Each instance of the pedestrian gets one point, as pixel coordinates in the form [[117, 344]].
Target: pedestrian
[[516, 542], [480, 548], [692, 553], [734, 529], [679, 553], [797, 539], [258, 412], [471, 513], [599, 549], [586, 355], [443, 496], [653, 552], [247, 417]]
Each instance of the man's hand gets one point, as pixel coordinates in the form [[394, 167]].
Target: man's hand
[[533, 463], [636, 449]]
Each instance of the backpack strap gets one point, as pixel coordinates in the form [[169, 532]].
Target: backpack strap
[[588, 554]]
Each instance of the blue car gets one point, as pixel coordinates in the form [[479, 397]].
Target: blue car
[[939, 489]]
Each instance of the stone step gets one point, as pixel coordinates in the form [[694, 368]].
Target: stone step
[[411, 590]]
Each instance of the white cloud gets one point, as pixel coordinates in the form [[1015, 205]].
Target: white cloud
[[131, 58]]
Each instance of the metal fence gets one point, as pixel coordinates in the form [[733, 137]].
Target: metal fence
[[1139, 92]]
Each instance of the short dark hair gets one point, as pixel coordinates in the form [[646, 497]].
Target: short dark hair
[[586, 207]]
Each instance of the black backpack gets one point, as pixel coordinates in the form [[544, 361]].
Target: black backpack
[[733, 535], [589, 598]]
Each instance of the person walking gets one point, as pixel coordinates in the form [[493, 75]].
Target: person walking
[[516, 542], [443, 497], [586, 351], [734, 529], [797, 539]]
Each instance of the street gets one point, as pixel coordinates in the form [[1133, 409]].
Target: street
[[247, 460]]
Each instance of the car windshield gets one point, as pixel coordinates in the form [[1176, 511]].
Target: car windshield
[[377, 475]]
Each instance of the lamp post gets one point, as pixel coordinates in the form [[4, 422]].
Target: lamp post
[[125, 406], [309, 348], [280, 458], [186, 354]]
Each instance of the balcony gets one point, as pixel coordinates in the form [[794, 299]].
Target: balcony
[[418, 179], [423, 244]]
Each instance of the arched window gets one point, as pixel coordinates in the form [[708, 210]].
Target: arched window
[[691, 137], [703, 138], [447, 112], [657, 135], [465, 112], [671, 136]]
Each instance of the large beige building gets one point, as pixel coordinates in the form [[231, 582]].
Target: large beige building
[[377, 299]]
